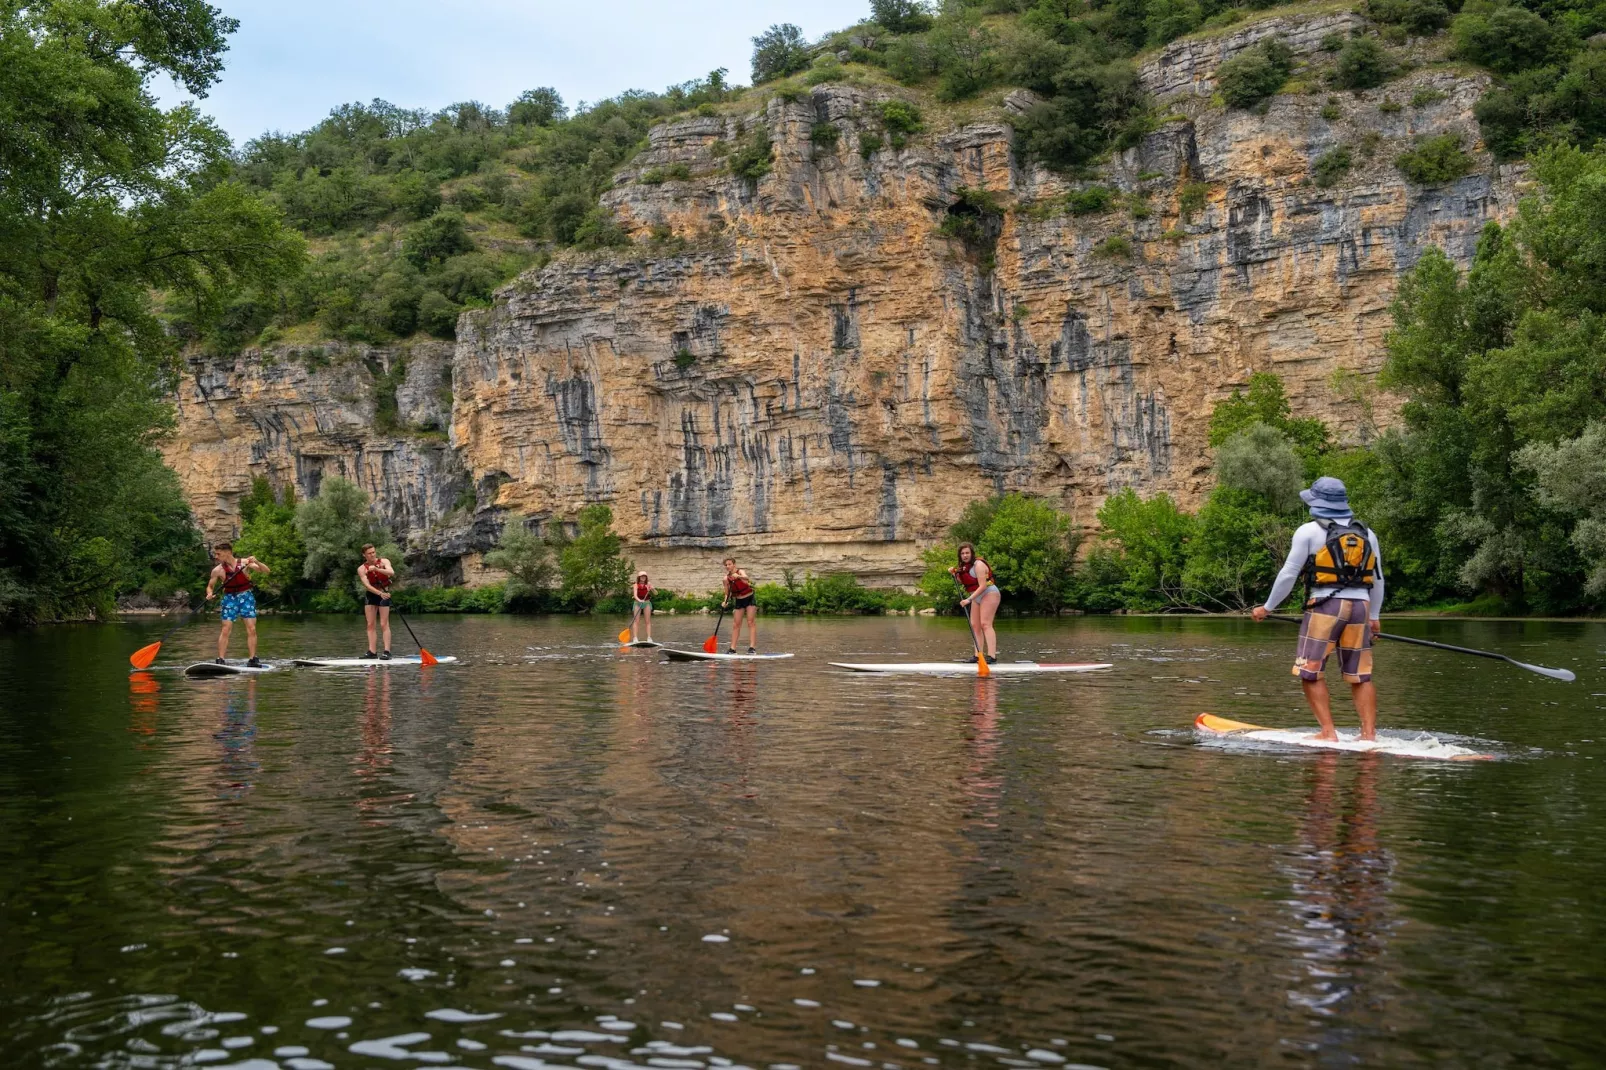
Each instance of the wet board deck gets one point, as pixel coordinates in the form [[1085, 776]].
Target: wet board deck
[[1422, 746], [232, 668], [968, 668], [642, 643], [349, 663], [703, 655]]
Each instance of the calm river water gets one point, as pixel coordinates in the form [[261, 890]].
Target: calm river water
[[558, 854]]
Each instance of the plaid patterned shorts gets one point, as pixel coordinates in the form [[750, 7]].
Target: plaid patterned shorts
[[1341, 624]]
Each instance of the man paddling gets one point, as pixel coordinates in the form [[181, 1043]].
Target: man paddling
[[239, 601], [1343, 569], [376, 575]]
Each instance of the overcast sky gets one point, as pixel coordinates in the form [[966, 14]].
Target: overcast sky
[[293, 60]]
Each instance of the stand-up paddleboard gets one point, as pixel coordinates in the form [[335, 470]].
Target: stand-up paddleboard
[[230, 668], [703, 655], [1212, 727], [642, 643], [351, 663], [968, 668]]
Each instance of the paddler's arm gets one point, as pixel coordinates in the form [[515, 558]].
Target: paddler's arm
[[1376, 595], [253, 565], [362, 578], [1298, 552], [211, 581]]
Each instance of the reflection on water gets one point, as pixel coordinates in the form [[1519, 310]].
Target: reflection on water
[[559, 853]]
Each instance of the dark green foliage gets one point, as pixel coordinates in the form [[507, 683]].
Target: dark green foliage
[[105, 199], [268, 533], [1434, 160], [1254, 74], [437, 239], [778, 52], [1332, 165], [825, 135], [901, 117], [1423, 98], [901, 16], [591, 564], [1029, 544], [753, 158], [1503, 38], [1192, 198], [869, 145], [965, 51], [1265, 403], [1091, 200], [537, 107], [1363, 63], [1546, 104], [1116, 245], [1095, 107], [1419, 17]]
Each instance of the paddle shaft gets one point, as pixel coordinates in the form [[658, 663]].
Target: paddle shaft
[[1446, 646], [714, 639], [426, 655], [982, 668]]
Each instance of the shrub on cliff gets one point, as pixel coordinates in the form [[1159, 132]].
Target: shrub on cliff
[[901, 16], [1254, 74], [1434, 161], [753, 158], [1363, 63]]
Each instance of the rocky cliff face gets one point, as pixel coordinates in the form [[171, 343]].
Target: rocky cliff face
[[819, 369]]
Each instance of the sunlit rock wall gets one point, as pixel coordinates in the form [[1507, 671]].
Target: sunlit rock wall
[[811, 372]]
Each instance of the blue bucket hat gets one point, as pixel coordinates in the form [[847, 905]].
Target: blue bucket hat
[[1327, 498]]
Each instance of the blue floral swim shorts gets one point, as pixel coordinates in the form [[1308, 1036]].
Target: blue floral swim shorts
[[239, 606]]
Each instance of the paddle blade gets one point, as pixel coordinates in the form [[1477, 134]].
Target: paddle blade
[[711, 645], [142, 658], [427, 658], [982, 668], [624, 637], [1564, 675]]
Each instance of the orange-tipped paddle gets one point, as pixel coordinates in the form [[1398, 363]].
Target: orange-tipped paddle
[[624, 637], [142, 658], [423, 655], [711, 644]]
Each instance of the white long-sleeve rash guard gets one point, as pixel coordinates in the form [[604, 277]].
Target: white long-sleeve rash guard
[[1307, 540]]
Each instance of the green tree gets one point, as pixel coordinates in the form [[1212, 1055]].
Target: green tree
[[1147, 542], [591, 563], [268, 533], [1264, 402], [1571, 477], [526, 558], [965, 51], [1030, 546], [901, 16], [333, 527], [778, 52], [1262, 460], [105, 199], [537, 107], [1363, 63]]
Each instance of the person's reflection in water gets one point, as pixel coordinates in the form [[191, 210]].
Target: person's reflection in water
[[743, 725], [143, 689], [372, 764], [1341, 880], [238, 735], [982, 783]]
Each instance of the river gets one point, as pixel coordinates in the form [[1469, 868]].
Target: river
[[555, 853]]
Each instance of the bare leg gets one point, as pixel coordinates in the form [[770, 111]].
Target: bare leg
[[1321, 704], [973, 618], [384, 625], [251, 636], [1366, 705], [989, 610], [370, 612], [646, 617], [752, 627], [223, 638]]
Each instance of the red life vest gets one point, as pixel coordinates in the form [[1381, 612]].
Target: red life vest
[[967, 577], [642, 591], [236, 580], [377, 578], [739, 585]]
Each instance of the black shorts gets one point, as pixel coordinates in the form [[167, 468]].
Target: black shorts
[[369, 598], [747, 601]]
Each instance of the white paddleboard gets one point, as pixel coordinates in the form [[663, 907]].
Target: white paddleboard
[[703, 655], [1209, 726], [968, 668], [349, 663], [642, 643], [231, 668]]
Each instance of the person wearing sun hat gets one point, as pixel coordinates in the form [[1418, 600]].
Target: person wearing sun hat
[[642, 589], [1343, 569]]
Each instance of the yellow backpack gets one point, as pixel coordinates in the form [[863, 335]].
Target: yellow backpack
[[1345, 559]]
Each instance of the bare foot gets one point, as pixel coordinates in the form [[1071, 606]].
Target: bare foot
[[1327, 737], [1368, 737]]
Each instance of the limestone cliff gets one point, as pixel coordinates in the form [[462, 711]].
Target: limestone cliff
[[819, 369]]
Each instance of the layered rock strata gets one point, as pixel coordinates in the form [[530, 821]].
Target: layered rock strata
[[817, 370]]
